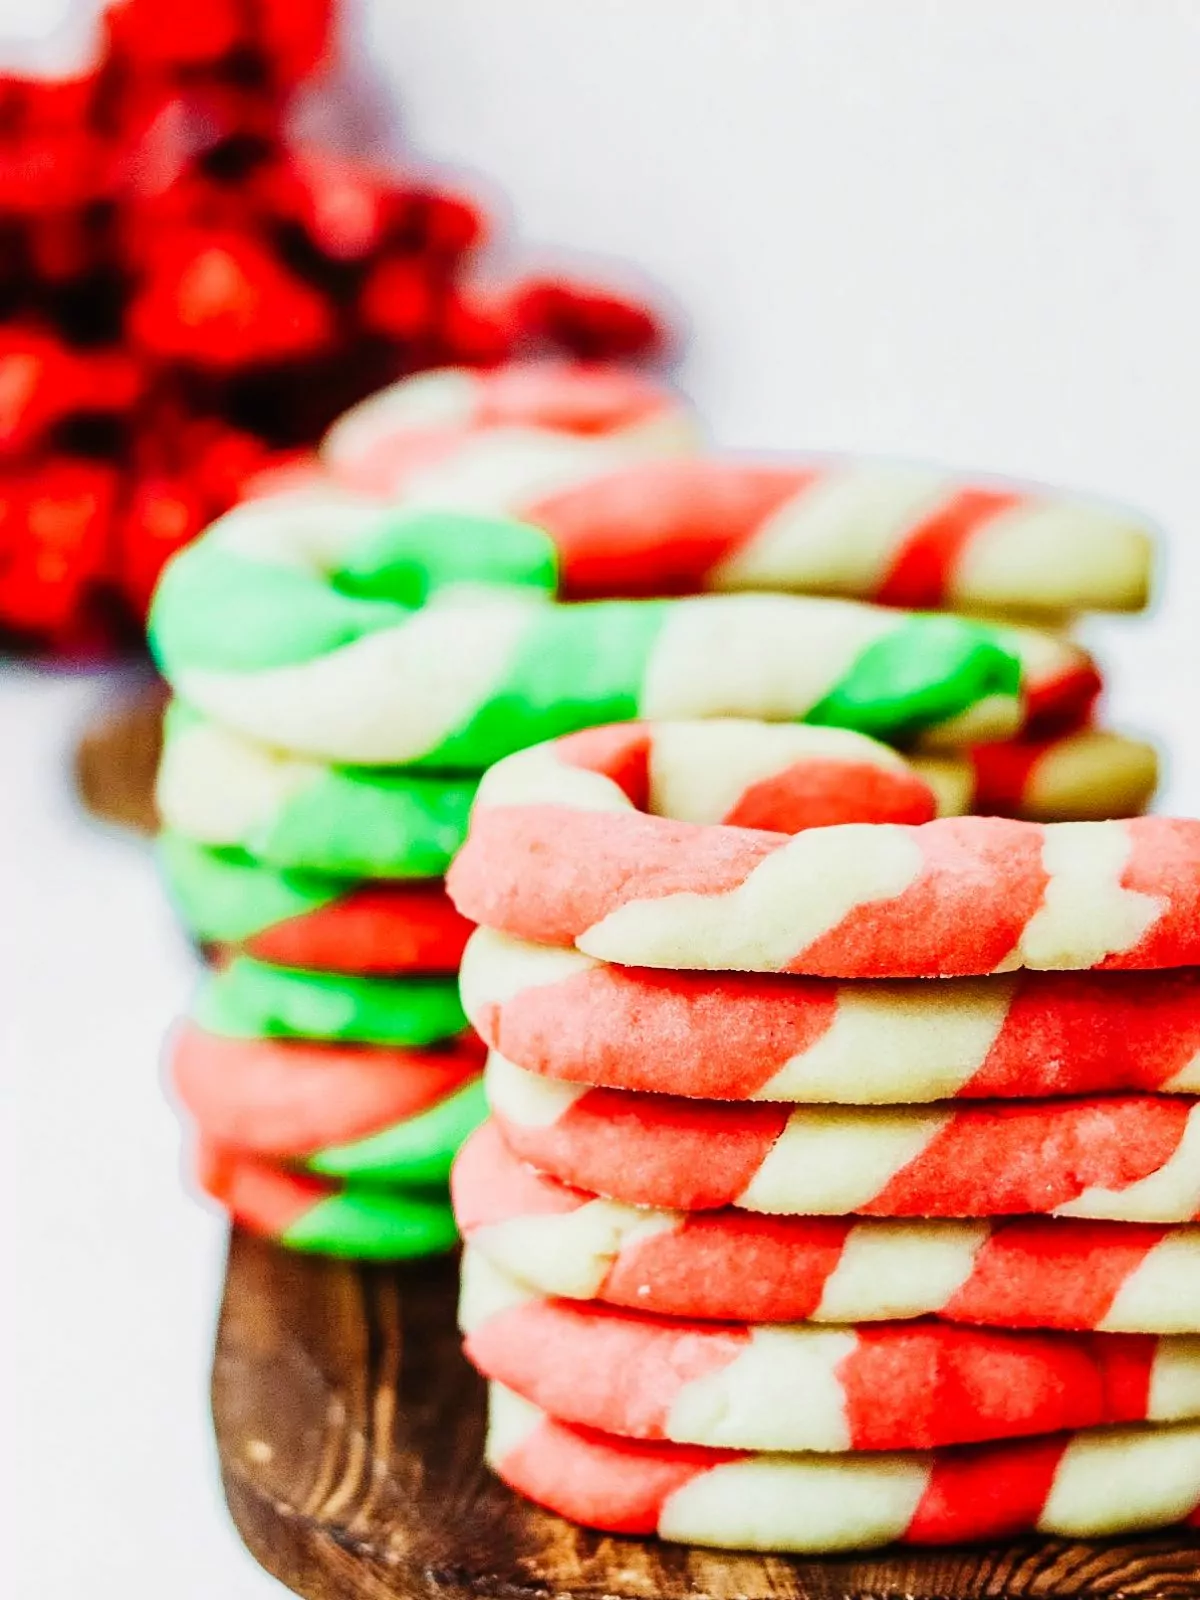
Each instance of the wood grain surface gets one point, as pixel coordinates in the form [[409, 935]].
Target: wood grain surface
[[350, 1432], [117, 757]]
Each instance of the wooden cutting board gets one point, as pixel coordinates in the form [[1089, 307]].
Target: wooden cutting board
[[350, 1432], [117, 757]]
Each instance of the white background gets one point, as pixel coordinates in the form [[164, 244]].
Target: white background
[[961, 231]]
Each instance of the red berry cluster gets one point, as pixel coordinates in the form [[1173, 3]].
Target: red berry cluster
[[188, 298]]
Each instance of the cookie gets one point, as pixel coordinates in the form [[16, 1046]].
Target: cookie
[[1060, 683], [249, 999], [514, 440], [735, 1385], [337, 631], [743, 1036], [1020, 1272], [1074, 1486], [748, 774], [305, 920], [482, 437], [321, 1217], [384, 1116], [1121, 1157], [956, 897], [291, 812], [872, 530], [1088, 775]]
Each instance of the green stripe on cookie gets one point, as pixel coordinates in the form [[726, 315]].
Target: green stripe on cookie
[[251, 999], [576, 666], [225, 896], [928, 670], [217, 608], [418, 1151], [374, 1225], [369, 823], [412, 557], [344, 821]]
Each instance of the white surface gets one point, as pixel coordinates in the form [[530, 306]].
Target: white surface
[[963, 231], [116, 1274]]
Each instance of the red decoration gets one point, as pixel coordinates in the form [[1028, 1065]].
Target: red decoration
[[188, 299]]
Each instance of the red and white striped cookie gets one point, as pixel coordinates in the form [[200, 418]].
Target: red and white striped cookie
[[1021, 1272], [473, 438], [736, 1385], [1074, 1485], [1132, 1158], [286, 1097], [778, 775], [1088, 775], [877, 530], [955, 897], [896, 533], [745, 1036]]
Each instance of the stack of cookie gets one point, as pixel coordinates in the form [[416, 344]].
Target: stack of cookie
[[327, 1063], [841, 1184], [318, 770], [665, 519], [345, 669]]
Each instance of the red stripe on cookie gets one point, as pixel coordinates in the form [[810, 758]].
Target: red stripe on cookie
[[1004, 772], [1072, 1272], [1093, 1032], [632, 1372], [584, 400], [265, 1199], [637, 1029], [659, 527], [1035, 1156], [604, 1482], [921, 572], [487, 1185], [371, 930], [289, 1097], [928, 1385], [995, 1493], [941, 925], [1063, 701], [1164, 862], [765, 1269], [619, 753], [682, 1154], [816, 794], [645, 859], [384, 465]]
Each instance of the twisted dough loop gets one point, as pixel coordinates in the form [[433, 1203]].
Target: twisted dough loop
[[602, 461]]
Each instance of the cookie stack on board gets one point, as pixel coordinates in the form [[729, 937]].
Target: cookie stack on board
[[345, 668], [327, 1063], [842, 1177]]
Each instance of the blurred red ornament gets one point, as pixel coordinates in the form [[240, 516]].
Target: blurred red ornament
[[285, 39], [43, 382], [294, 35], [163, 515], [398, 300], [55, 527], [475, 330], [171, 38], [592, 323], [221, 300], [188, 299]]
